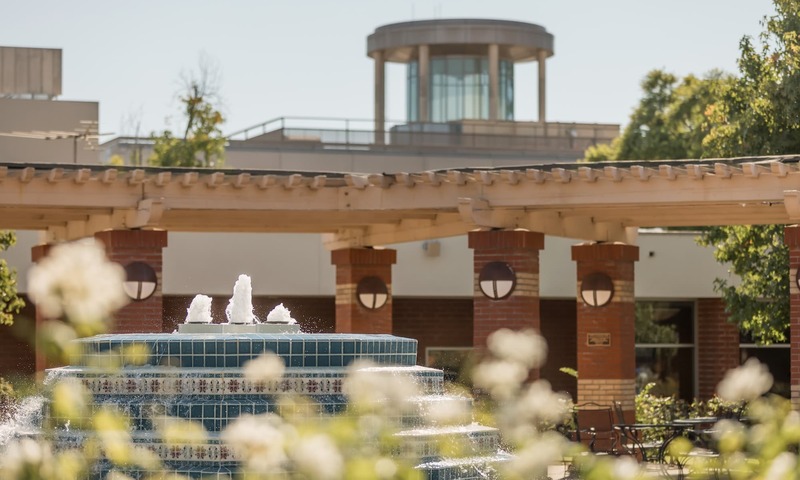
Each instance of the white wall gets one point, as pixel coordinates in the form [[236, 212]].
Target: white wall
[[298, 265]]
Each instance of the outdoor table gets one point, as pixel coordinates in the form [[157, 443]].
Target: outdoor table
[[632, 432], [699, 429]]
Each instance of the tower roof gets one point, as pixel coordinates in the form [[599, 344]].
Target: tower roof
[[518, 41]]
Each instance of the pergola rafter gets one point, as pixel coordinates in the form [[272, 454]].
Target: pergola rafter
[[603, 202]]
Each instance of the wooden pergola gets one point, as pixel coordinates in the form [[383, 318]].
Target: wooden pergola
[[601, 202]]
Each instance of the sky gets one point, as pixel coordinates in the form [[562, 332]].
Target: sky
[[307, 58]]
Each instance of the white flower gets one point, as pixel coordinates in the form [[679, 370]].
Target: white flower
[[626, 468], [745, 383], [75, 279], [317, 457], [260, 440], [539, 403], [448, 410], [782, 467], [24, 456], [378, 388], [526, 347], [532, 460], [502, 378], [266, 368]]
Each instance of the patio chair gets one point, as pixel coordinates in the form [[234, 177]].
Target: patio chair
[[594, 427], [632, 437]]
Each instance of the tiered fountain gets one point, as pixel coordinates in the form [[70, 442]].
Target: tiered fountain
[[196, 374]]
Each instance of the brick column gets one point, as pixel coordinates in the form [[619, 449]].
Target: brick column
[[519, 249], [124, 247], [717, 345], [606, 348], [353, 265], [791, 238], [37, 253]]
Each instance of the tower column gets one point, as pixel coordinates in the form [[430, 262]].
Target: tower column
[[494, 80], [517, 309], [363, 289], [542, 56], [606, 314], [145, 246], [380, 97], [424, 83]]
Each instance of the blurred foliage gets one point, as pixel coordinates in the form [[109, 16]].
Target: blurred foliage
[[10, 303], [202, 143]]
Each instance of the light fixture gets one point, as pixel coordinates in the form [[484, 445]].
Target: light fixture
[[497, 280], [597, 289], [797, 278], [140, 281], [372, 293]]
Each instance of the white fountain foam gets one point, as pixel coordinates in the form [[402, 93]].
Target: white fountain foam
[[23, 419], [240, 306], [239, 313], [200, 310], [281, 314]]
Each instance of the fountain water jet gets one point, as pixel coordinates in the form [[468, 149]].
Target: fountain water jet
[[240, 307], [200, 310]]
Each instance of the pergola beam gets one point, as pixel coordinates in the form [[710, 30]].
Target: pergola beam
[[586, 201]]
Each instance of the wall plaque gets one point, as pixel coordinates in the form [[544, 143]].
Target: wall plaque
[[598, 339]]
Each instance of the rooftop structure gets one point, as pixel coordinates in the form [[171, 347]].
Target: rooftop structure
[[460, 107], [33, 73], [459, 69]]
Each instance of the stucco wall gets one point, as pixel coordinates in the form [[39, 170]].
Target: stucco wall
[[295, 264]]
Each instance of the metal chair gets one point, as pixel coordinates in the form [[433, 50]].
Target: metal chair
[[594, 427]]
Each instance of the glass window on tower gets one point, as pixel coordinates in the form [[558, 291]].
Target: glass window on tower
[[412, 89]]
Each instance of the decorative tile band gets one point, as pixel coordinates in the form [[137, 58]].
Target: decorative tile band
[[233, 350], [230, 382]]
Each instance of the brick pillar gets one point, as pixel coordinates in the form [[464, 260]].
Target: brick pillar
[[37, 253], [717, 345], [352, 266], [519, 249], [791, 238], [124, 247], [606, 348]]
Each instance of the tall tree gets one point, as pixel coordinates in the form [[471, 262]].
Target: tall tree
[[201, 143], [670, 121], [755, 113], [10, 303], [759, 115]]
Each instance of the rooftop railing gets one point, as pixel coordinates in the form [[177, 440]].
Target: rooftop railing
[[357, 134]]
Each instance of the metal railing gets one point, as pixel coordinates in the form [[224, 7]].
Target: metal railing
[[358, 134]]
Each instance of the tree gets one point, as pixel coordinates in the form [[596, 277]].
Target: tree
[[756, 113], [670, 121], [10, 303], [202, 143], [759, 115]]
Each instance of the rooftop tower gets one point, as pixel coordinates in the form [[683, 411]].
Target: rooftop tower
[[458, 69]]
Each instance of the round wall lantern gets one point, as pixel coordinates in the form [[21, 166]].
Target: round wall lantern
[[140, 281], [372, 293], [597, 289], [797, 278], [497, 280]]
